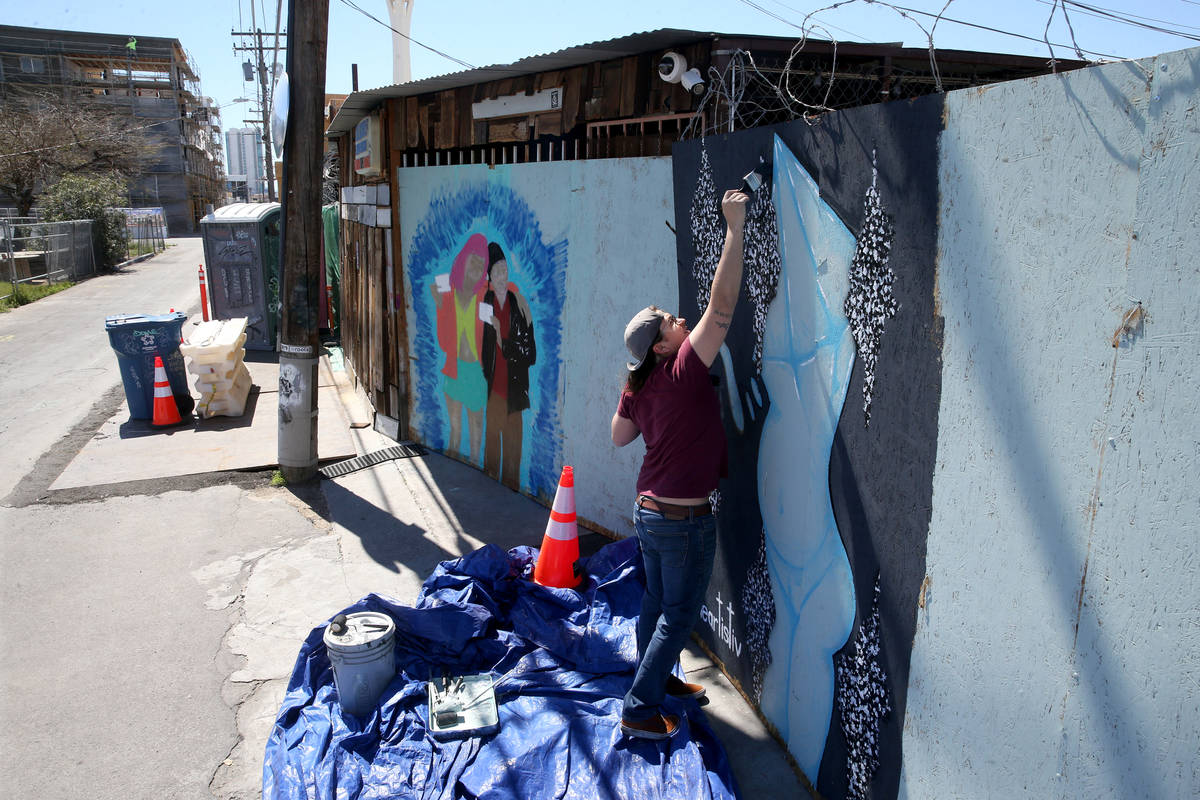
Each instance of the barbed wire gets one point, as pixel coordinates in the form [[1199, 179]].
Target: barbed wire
[[746, 94]]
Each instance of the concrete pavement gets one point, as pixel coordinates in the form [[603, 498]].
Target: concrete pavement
[[150, 625]]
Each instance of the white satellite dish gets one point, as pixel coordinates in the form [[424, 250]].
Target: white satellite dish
[[279, 113]]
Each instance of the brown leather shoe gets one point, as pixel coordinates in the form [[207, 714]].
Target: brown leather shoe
[[678, 688], [657, 727]]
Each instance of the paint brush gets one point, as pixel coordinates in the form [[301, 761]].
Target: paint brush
[[751, 182]]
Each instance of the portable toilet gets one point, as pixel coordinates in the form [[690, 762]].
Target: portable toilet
[[241, 249]]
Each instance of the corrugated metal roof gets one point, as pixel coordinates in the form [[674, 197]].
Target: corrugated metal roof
[[359, 104]]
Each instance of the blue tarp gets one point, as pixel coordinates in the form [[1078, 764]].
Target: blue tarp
[[570, 657]]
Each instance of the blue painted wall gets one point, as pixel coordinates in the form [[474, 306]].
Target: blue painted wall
[[1057, 647], [588, 244]]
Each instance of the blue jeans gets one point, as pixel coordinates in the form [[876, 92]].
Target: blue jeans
[[677, 556]]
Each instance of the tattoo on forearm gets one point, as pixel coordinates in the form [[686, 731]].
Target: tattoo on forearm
[[718, 312], [724, 325]]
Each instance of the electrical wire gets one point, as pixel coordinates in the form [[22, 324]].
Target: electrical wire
[[1137, 16], [905, 12], [993, 30], [860, 37], [409, 38], [1099, 12]]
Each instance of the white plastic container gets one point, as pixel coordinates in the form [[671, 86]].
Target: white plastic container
[[219, 377], [230, 402], [360, 651], [215, 341]]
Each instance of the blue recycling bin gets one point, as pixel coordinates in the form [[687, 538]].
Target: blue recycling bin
[[137, 339]]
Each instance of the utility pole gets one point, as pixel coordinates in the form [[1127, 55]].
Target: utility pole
[[301, 287], [264, 93], [265, 107]]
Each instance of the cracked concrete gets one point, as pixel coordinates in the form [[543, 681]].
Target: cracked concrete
[[117, 645]]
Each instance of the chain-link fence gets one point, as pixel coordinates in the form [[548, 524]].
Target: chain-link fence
[[33, 252], [145, 231]]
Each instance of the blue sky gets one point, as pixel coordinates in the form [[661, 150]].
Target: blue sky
[[487, 32]]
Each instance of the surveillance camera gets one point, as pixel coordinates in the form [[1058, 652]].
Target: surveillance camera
[[672, 66], [692, 81]]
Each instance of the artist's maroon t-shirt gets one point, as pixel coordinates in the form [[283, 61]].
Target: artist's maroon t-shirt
[[679, 416]]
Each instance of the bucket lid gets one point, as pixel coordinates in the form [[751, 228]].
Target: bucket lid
[[362, 631], [118, 320]]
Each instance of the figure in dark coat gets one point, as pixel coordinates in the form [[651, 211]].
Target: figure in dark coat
[[508, 351]]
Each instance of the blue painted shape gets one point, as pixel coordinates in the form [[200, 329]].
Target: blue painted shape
[[470, 203], [808, 354]]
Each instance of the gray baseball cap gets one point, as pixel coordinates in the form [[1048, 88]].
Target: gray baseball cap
[[640, 334]]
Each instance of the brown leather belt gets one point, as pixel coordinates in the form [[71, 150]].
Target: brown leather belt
[[671, 510]]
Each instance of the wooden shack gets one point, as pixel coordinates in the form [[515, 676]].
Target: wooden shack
[[602, 100]]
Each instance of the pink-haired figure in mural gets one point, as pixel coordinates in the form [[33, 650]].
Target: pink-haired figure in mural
[[460, 337], [508, 352]]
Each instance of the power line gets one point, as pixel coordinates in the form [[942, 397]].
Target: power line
[[904, 12], [1099, 12], [1136, 16], [406, 36], [993, 30], [821, 22]]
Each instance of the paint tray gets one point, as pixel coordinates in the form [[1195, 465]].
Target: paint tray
[[462, 706]]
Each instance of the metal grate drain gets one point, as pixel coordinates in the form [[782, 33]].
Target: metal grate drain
[[404, 450]]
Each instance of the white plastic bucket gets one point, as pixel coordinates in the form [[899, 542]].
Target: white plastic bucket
[[360, 651]]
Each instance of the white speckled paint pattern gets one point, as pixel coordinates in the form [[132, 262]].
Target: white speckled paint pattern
[[1058, 648]]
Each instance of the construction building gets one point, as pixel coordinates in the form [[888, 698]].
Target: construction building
[[155, 81]]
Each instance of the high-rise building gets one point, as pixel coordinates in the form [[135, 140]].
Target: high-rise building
[[244, 152]]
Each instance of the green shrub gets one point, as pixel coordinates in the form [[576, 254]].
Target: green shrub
[[28, 293], [83, 196]]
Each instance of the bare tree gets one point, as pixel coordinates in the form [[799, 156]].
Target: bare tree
[[43, 137]]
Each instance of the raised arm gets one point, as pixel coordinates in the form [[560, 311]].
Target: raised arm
[[709, 334]]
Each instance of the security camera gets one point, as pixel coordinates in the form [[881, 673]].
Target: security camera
[[693, 81], [672, 66]]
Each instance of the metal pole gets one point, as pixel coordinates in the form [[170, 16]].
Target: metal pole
[[12, 261]]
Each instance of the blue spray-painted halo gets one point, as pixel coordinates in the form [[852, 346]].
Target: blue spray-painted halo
[[489, 206]]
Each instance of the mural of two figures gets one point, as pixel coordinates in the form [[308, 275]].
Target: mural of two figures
[[488, 294], [485, 331]]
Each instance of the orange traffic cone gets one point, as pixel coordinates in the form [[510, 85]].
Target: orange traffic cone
[[165, 410], [558, 563]]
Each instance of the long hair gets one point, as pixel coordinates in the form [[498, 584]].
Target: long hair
[[638, 377], [476, 245]]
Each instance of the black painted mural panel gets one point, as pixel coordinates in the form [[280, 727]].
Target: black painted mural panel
[[880, 475]]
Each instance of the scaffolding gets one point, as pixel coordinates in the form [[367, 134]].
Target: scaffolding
[[155, 81]]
